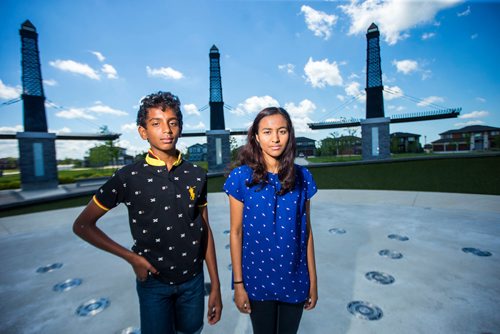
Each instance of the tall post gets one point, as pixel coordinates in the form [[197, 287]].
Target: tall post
[[37, 151], [375, 128], [218, 147]]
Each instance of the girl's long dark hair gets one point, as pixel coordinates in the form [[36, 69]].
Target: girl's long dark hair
[[251, 154]]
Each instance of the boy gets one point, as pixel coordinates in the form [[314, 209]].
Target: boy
[[167, 206]]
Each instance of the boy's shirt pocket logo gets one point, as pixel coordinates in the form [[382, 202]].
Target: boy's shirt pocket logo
[[192, 194]]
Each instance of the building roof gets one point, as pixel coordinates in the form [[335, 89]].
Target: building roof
[[404, 134], [198, 144], [304, 139], [450, 141], [471, 128]]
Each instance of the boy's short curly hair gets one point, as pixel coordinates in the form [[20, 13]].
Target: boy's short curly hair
[[160, 100]]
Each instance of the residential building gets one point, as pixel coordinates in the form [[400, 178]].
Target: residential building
[[469, 138], [305, 146], [197, 152], [343, 145], [404, 142]]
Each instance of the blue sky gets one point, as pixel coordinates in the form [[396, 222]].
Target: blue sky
[[99, 58]]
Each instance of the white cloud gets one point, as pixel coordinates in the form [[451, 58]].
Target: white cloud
[[480, 99], [86, 113], [50, 82], [100, 108], [254, 104], [17, 128], [98, 55], [475, 114], [476, 122], [288, 68], [75, 67], [74, 149], [428, 35], [9, 93], [300, 114], [129, 127], [474, 36], [352, 89], [341, 98], [9, 148], [406, 66], [73, 113], [395, 108], [322, 73], [191, 109], [465, 12], [110, 71], [393, 17], [430, 100], [319, 22], [391, 93], [164, 72], [198, 126], [61, 131]]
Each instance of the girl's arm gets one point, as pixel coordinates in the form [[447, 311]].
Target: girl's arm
[[235, 242], [311, 263], [214, 299]]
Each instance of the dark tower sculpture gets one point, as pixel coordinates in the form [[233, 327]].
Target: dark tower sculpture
[[375, 128], [216, 102], [218, 147], [374, 87], [37, 153], [33, 97]]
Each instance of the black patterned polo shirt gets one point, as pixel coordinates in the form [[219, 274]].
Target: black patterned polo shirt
[[164, 213]]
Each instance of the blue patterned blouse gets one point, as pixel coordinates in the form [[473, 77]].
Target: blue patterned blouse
[[274, 235]]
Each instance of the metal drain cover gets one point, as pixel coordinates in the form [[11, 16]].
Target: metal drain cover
[[130, 330], [398, 237], [67, 284], [379, 277], [390, 254], [336, 230], [49, 267], [208, 288], [476, 251], [92, 307], [364, 310]]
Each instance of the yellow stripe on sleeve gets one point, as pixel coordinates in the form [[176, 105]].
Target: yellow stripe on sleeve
[[99, 204]]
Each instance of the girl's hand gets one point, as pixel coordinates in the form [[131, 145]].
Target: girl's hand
[[312, 299], [241, 299]]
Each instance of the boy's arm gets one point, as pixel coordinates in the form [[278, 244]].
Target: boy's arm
[[85, 226], [214, 299]]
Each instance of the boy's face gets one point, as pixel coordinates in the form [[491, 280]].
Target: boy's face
[[162, 130]]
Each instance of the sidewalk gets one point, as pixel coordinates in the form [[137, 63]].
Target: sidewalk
[[438, 287]]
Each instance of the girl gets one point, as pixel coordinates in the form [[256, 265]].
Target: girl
[[272, 247]]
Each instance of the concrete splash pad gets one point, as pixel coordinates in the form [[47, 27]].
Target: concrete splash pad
[[438, 287]]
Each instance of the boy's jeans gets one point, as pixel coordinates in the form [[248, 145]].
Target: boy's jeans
[[171, 309]]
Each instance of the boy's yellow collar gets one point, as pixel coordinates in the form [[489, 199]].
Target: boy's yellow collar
[[153, 160]]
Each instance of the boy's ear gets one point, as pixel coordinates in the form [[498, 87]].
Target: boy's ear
[[142, 132]]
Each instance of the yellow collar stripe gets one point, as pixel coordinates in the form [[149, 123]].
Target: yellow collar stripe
[[153, 160]]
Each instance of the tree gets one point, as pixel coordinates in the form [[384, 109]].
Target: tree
[[233, 144], [104, 154]]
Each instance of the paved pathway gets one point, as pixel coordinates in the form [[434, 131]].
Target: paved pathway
[[438, 287]]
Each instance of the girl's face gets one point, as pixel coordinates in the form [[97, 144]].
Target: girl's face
[[272, 136]]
